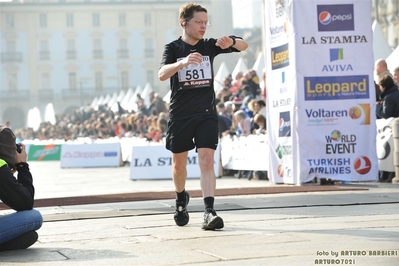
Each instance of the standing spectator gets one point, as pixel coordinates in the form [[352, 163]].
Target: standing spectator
[[381, 68], [260, 120], [243, 122], [157, 105], [187, 61], [389, 104], [224, 124], [18, 229], [228, 109], [260, 108], [396, 76], [386, 108], [247, 95]]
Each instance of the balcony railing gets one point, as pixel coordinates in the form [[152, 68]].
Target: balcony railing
[[11, 57], [45, 93], [87, 92], [123, 53], [14, 94]]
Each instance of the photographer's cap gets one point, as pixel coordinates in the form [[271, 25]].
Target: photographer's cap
[[7, 145]]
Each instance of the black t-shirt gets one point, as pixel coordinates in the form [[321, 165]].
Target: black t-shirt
[[192, 87]]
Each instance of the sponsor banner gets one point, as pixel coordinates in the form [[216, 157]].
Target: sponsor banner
[[50, 152], [336, 88], [245, 153], [331, 115], [281, 91], [155, 162], [336, 95], [90, 155], [320, 90]]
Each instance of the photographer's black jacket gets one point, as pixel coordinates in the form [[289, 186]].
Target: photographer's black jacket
[[17, 193]]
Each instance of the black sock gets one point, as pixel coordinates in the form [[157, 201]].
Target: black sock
[[181, 196], [208, 201]]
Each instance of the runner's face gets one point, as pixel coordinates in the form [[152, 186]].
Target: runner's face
[[196, 26]]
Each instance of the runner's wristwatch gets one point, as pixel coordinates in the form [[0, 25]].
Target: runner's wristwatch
[[234, 40]]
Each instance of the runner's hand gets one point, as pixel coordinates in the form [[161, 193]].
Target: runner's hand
[[193, 58], [224, 42]]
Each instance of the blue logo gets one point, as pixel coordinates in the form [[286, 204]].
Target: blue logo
[[336, 88], [110, 154], [284, 124], [336, 54], [335, 17]]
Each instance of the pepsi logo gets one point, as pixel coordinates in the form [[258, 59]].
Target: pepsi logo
[[280, 170], [281, 124], [362, 165], [325, 18]]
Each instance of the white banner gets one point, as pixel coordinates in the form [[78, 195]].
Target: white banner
[[385, 146], [336, 95], [281, 93], [90, 155], [245, 153], [321, 90], [155, 162]]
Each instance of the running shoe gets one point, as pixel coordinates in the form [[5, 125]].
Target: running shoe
[[211, 220], [181, 215]]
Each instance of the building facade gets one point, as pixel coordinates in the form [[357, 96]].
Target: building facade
[[386, 12], [67, 52]]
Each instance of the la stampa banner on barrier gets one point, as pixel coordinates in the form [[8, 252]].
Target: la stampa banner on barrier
[[335, 90]]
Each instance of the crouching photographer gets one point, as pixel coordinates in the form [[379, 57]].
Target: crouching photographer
[[17, 229]]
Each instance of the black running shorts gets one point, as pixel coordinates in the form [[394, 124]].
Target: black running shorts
[[199, 131]]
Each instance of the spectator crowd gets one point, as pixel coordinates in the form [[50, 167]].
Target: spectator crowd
[[240, 100]]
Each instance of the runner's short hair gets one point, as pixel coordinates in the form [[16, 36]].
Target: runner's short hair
[[188, 10]]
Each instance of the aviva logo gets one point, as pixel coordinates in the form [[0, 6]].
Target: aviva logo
[[336, 54]]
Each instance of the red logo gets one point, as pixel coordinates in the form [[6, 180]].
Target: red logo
[[362, 165], [280, 170]]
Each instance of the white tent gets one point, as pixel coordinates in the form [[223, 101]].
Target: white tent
[[49, 114], [106, 100], [166, 98], [146, 94], [99, 102], [381, 48], [34, 118], [222, 73], [259, 65], [121, 95], [393, 60], [112, 100], [126, 99], [94, 102], [240, 66], [132, 104]]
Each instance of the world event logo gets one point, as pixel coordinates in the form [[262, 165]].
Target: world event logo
[[335, 17], [336, 88]]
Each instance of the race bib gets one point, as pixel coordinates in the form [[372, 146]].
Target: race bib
[[195, 75]]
